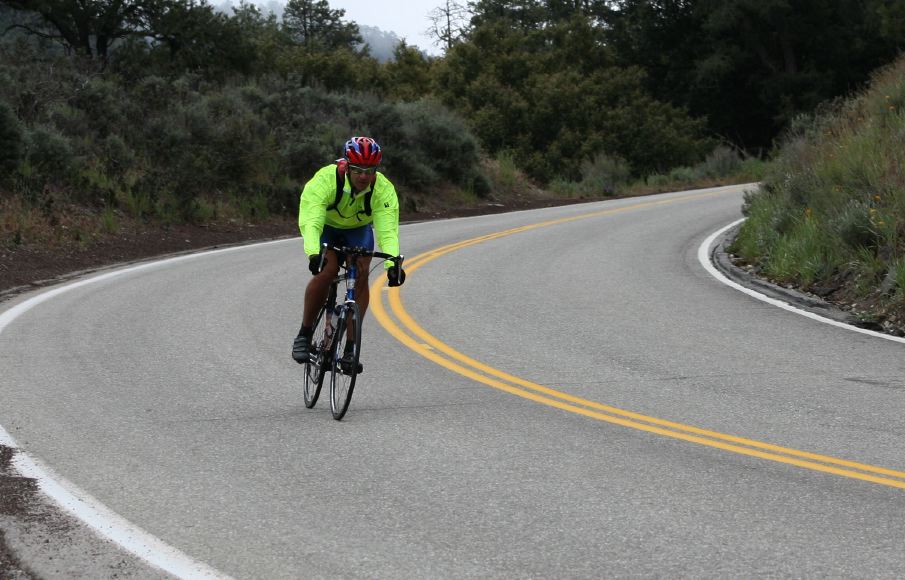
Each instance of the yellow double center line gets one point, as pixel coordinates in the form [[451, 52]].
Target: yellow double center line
[[412, 335]]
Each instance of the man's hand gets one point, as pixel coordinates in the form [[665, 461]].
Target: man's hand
[[396, 276], [314, 264]]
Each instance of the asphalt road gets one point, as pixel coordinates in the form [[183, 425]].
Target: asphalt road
[[590, 403]]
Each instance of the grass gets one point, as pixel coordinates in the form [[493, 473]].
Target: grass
[[41, 221], [832, 204], [605, 176], [50, 226]]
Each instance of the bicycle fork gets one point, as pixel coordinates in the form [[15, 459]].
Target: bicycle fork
[[330, 316], [333, 314]]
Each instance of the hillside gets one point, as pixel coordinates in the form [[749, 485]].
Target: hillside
[[830, 219], [59, 254], [82, 240]]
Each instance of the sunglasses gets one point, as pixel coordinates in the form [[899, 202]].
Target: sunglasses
[[362, 170]]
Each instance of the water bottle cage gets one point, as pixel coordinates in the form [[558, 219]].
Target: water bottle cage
[[329, 326]]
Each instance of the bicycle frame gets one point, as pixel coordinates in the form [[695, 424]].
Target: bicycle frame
[[349, 277], [350, 265], [351, 268], [340, 346]]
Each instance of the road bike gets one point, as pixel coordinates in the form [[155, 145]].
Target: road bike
[[335, 325]]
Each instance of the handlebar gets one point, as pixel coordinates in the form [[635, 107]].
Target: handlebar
[[358, 252]]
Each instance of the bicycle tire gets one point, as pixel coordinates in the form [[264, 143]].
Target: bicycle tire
[[315, 368], [342, 381]]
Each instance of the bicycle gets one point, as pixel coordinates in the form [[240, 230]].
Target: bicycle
[[334, 326]]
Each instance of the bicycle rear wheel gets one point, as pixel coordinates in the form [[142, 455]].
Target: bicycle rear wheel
[[342, 376], [315, 368]]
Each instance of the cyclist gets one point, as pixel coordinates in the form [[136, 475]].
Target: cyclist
[[338, 206]]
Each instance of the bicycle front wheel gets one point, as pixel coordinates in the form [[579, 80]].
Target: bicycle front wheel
[[316, 367], [344, 369]]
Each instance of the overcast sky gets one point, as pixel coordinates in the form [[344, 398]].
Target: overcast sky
[[407, 18]]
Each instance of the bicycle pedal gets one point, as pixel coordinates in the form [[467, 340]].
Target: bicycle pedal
[[347, 371]]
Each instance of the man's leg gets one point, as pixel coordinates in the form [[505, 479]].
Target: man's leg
[[315, 296], [362, 286], [318, 286], [362, 297]]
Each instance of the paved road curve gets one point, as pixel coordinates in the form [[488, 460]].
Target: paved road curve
[[168, 394]]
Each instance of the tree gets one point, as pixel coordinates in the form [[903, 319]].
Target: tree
[[265, 38], [11, 146], [313, 24], [88, 27], [522, 15], [190, 29], [449, 23], [554, 97], [751, 66], [196, 37], [408, 74], [536, 14], [890, 18]]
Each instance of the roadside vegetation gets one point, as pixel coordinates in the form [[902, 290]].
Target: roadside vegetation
[[115, 115], [831, 215]]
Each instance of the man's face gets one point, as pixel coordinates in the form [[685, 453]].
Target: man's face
[[360, 177]]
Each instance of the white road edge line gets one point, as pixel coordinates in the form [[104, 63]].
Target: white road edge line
[[100, 518], [704, 259]]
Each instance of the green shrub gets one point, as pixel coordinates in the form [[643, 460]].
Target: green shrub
[[683, 174], [481, 186], [307, 153], [870, 269], [12, 146], [253, 205], [852, 226], [70, 121], [196, 147], [721, 162], [8, 88], [604, 175], [804, 254], [507, 174], [94, 185], [135, 202], [767, 219], [752, 169], [50, 154], [154, 93], [105, 104], [109, 222], [438, 143], [657, 180], [565, 188], [116, 153], [898, 275], [833, 200]]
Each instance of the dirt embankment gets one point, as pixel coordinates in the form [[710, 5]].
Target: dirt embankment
[[26, 267]]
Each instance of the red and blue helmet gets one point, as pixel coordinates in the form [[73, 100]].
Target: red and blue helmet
[[362, 151]]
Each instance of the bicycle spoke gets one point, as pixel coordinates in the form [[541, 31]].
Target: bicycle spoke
[[315, 367], [343, 375]]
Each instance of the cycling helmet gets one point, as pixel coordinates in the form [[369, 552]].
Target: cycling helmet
[[362, 151]]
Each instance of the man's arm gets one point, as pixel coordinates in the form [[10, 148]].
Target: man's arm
[[313, 207], [385, 211]]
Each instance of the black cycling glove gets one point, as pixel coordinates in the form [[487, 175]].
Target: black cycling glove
[[396, 276], [314, 264]]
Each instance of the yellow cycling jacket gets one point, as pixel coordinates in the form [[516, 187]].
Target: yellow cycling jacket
[[319, 194]]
